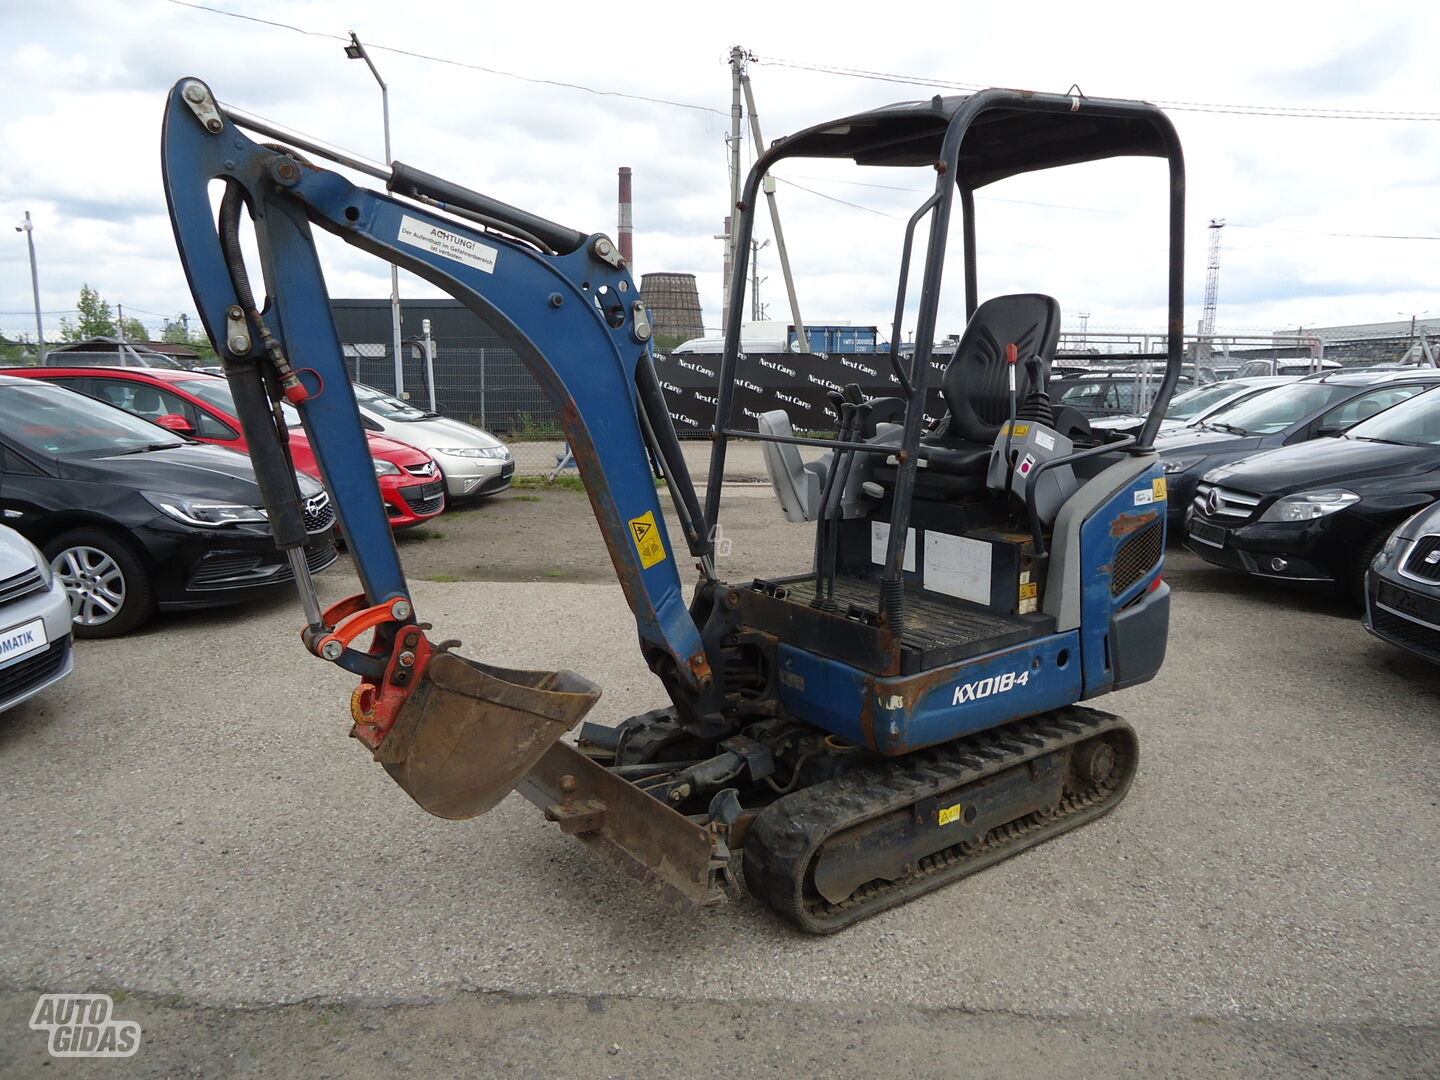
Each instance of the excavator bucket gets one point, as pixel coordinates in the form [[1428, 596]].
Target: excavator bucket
[[469, 731]]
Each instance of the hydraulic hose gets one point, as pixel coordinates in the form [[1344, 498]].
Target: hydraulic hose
[[268, 441]]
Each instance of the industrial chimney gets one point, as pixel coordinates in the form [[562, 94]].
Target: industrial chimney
[[627, 220]]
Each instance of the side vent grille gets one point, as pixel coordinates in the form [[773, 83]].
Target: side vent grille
[[1137, 556]]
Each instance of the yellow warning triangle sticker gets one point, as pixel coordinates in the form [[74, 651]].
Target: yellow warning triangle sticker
[[648, 542]]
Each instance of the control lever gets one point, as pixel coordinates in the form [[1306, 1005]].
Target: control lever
[[827, 533], [857, 425]]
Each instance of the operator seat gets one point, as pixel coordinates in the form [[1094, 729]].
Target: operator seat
[[976, 389]]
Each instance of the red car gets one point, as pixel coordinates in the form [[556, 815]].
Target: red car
[[199, 405]]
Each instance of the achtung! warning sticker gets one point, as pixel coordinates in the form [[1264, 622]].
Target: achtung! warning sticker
[[648, 543], [1160, 489]]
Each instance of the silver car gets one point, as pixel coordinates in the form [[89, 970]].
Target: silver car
[[34, 622], [474, 462], [1193, 406]]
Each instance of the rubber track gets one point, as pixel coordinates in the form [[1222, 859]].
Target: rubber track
[[787, 836]]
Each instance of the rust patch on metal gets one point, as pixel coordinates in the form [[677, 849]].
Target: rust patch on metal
[[867, 712], [1126, 524]]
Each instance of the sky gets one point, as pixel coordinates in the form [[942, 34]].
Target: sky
[[1287, 114]]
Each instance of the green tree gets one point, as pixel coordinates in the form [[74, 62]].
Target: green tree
[[98, 320], [134, 329], [178, 332]]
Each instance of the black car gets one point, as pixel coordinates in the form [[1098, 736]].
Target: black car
[[1402, 586], [1311, 408], [1320, 511], [134, 517]]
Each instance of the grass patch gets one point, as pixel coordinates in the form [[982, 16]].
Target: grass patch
[[525, 498], [543, 483], [554, 573], [421, 534], [445, 578]]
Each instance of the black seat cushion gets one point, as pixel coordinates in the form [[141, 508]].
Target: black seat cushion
[[976, 389], [976, 383]]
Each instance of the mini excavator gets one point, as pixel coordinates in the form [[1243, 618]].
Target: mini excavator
[[901, 715]]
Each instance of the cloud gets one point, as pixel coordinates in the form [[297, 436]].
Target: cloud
[[1362, 67]]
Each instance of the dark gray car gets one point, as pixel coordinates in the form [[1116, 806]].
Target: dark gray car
[[1402, 589], [1311, 408]]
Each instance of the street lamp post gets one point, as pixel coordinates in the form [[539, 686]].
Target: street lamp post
[[356, 51], [28, 230]]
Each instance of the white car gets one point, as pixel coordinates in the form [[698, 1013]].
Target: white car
[[34, 621], [474, 462], [1193, 406]]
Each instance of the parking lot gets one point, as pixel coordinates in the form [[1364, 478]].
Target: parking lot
[[188, 826]]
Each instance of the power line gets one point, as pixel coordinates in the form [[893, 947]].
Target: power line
[[1347, 235], [1294, 112], [450, 62], [842, 202]]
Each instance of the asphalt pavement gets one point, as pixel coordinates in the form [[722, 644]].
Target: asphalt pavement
[[187, 825]]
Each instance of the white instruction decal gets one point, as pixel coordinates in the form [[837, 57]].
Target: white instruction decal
[[1046, 442], [957, 566], [1144, 497], [880, 543], [440, 241]]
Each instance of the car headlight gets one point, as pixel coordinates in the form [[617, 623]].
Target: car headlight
[[500, 452], [43, 564], [385, 468], [205, 513], [1179, 464], [1388, 549], [1309, 505]]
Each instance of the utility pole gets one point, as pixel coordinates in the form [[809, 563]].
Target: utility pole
[[29, 232], [756, 310], [728, 267], [802, 339], [737, 66], [356, 51]]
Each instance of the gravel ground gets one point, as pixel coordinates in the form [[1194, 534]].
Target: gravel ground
[[187, 825]]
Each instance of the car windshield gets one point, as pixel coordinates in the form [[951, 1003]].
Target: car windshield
[[385, 406], [216, 392], [1192, 403], [1415, 422], [1281, 407], [51, 420]]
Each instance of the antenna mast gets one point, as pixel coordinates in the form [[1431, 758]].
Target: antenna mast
[[1212, 287]]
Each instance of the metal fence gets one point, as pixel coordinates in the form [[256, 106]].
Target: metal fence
[[487, 386]]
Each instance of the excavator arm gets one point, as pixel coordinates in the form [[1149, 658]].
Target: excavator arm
[[563, 301]]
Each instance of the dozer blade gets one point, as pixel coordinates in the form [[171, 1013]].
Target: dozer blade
[[470, 731], [647, 839]]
